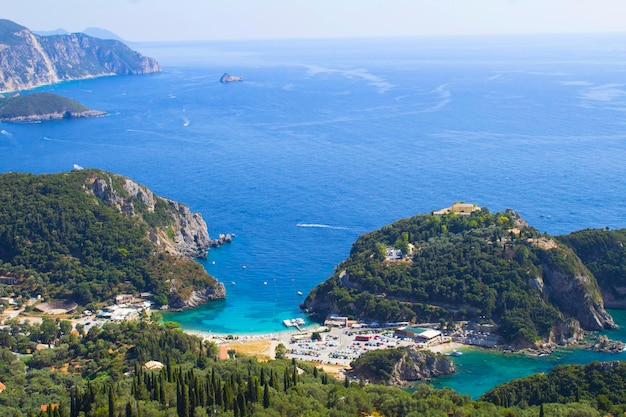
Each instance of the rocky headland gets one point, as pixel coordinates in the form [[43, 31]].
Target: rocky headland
[[109, 233], [28, 60], [457, 266]]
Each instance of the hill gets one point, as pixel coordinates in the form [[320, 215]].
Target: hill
[[28, 60], [139, 368], [88, 235], [604, 253], [601, 383], [483, 266], [42, 106]]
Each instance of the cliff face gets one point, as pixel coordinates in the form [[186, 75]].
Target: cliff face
[[185, 234], [177, 301], [401, 367], [573, 289], [28, 60], [418, 365]]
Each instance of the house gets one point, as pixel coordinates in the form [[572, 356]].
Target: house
[[419, 334], [393, 254], [223, 353], [463, 209], [154, 365], [8, 280], [123, 298], [2, 387], [44, 407]]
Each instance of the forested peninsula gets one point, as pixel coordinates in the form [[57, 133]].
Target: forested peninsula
[[465, 263], [87, 235], [42, 106]]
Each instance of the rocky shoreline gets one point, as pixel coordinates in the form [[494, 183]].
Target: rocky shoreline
[[34, 118]]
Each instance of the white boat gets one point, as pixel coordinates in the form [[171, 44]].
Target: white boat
[[454, 352], [299, 292]]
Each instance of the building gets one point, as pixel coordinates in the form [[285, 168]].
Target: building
[[44, 407], [154, 365], [336, 321], [2, 387], [463, 209], [8, 280], [419, 334], [393, 254], [123, 298]]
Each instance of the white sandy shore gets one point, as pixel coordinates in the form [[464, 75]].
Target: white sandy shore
[[286, 335]]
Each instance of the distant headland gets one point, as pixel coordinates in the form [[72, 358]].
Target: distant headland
[[38, 107], [28, 60]]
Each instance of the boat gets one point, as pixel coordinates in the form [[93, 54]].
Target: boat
[[299, 292], [454, 352]]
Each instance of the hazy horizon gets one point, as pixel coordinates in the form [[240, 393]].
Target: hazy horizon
[[194, 20]]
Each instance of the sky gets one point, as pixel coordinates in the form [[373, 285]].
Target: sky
[[179, 20]]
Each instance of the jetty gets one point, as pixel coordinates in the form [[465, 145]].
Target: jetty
[[297, 322]]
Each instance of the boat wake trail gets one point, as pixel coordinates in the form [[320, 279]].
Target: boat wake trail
[[321, 226]]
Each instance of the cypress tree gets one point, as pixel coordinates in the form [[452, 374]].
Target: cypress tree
[[266, 396], [111, 401]]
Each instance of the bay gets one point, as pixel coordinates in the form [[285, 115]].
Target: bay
[[328, 139], [479, 370]]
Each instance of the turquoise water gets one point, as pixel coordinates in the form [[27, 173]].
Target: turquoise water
[[479, 370], [327, 139]]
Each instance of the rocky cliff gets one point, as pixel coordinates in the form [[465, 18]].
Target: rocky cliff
[[28, 60], [401, 367], [573, 289], [419, 365], [175, 228]]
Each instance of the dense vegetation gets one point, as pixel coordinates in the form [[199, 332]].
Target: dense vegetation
[[61, 241], [485, 266], [38, 104], [604, 253], [600, 383], [102, 374]]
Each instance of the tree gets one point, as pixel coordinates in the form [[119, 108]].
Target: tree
[[65, 326], [281, 351]]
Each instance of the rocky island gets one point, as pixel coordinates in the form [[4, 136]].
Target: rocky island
[[227, 78]]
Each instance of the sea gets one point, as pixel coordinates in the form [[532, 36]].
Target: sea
[[327, 139]]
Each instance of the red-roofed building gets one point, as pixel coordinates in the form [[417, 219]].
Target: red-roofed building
[[2, 387], [44, 407]]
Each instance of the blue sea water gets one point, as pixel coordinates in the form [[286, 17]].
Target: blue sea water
[[328, 139]]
